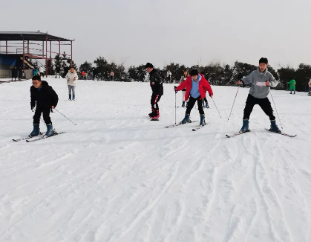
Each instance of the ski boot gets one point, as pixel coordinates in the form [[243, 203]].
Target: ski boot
[[69, 99], [156, 116], [202, 120], [35, 131], [186, 119], [50, 130], [245, 128], [274, 128], [152, 114]]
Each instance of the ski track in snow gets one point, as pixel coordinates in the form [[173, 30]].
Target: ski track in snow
[[117, 177]]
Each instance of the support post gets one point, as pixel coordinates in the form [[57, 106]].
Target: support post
[[71, 54], [46, 56], [23, 55], [50, 57]]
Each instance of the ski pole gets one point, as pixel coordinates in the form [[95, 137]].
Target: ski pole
[[64, 116], [276, 110], [175, 107], [233, 102], [216, 107]]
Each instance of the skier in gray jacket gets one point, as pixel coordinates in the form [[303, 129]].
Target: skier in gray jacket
[[261, 80]]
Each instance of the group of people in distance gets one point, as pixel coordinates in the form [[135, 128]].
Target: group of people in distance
[[195, 86]]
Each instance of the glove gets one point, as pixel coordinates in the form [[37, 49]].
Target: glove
[[175, 89], [211, 95], [32, 109]]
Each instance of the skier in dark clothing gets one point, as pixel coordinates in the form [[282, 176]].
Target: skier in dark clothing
[[260, 80], [14, 73], [156, 84], [44, 98]]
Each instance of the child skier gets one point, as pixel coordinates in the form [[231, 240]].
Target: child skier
[[261, 80], [196, 86], [44, 98]]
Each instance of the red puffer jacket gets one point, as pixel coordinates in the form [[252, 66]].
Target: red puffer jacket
[[203, 87]]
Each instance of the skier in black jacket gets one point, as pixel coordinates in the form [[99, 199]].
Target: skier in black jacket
[[156, 84], [46, 99]]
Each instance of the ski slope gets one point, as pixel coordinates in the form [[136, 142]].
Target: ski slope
[[117, 177]]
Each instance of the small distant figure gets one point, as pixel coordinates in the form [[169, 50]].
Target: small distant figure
[[111, 75], [204, 101], [169, 76], [41, 70], [182, 79], [14, 73], [309, 87], [35, 72], [83, 73], [72, 78], [94, 74], [20, 73], [292, 86]]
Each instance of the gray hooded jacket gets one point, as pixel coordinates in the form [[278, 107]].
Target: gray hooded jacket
[[257, 79]]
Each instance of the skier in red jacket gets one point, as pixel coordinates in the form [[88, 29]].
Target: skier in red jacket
[[196, 86]]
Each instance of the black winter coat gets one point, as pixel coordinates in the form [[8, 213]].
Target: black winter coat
[[14, 72], [46, 97], [157, 87]]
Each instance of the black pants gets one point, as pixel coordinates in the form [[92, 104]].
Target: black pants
[[263, 103], [46, 115], [155, 98], [191, 103]]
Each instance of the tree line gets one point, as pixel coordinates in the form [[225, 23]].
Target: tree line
[[217, 73]]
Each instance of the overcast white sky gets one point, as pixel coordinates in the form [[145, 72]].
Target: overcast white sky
[[164, 31]]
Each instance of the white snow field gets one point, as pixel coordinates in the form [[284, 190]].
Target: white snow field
[[117, 177]]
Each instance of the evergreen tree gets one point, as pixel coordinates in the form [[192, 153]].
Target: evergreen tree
[[86, 67]]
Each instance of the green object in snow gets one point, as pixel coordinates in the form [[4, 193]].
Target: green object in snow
[[292, 85]]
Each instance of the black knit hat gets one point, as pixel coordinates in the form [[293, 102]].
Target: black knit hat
[[194, 72], [263, 60], [38, 78], [148, 65]]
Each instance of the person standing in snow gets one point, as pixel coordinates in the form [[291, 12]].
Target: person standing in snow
[[41, 70], [156, 84], [196, 86], [309, 87], [14, 73], [72, 78], [44, 98], [83, 73], [169, 76], [111, 76], [260, 80], [205, 100], [183, 93], [292, 86]]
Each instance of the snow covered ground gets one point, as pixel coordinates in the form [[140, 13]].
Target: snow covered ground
[[117, 177], [6, 80]]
